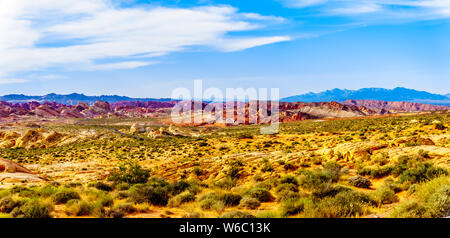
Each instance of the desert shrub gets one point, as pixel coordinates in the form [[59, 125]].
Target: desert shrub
[[122, 186], [23, 191], [230, 199], [376, 171], [425, 190], [179, 187], [333, 169], [396, 187], [114, 213], [207, 204], [327, 190], [381, 159], [423, 153], [156, 195], [125, 208], [286, 186], [286, 191], [267, 214], [47, 191], [32, 209], [360, 182], [212, 204], [249, 202], [7, 204], [289, 167], [402, 164], [76, 207], [439, 126], [265, 185], [197, 171], [384, 195], [421, 173], [267, 167], [233, 171], [311, 180], [102, 186], [64, 195], [411, 209], [439, 203], [158, 182], [412, 189], [289, 180], [344, 204], [181, 198], [431, 199], [121, 194], [226, 183], [292, 207], [261, 194], [130, 172], [193, 215], [237, 214]]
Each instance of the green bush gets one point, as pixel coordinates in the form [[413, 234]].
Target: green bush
[[311, 180], [7, 204], [237, 214], [327, 190], [102, 186], [131, 173], [360, 182], [156, 195], [439, 203], [286, 191], [64, 195], [384, 195], [289, 180], [249, 202], [439, 126], [47, 191], [267, 167], [345, 204], [32, 209], [376, 171], [125, 208], [333, 169], [76, 207], [292, 207], [411, 209], [230, 199], [423, 172], [261, 194], [181, 198]]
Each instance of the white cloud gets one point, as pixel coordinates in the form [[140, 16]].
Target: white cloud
[[415, 9], [241, 44], [304, 3], [74, 34], [12, 81], [121, 65]]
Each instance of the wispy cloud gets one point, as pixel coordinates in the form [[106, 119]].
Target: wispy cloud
[[12, 80], [389, 9], [75, 34]]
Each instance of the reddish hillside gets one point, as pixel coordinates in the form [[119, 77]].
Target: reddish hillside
[[395, 106]]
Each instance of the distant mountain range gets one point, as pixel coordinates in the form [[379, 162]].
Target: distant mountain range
[[337, 95], [379, 94], [74, 98]]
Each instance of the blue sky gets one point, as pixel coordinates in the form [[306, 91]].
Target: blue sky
[[148, 48]]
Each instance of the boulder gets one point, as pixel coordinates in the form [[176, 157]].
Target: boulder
[[137, 128], [9, 166]]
